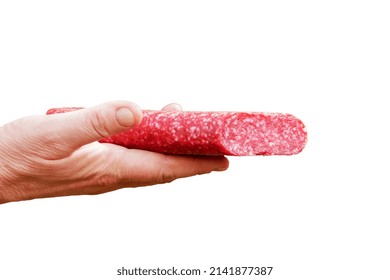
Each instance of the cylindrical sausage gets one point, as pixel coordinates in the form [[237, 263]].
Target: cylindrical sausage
[[212, 133]]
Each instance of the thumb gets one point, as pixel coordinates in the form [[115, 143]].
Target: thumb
[[81, 127]]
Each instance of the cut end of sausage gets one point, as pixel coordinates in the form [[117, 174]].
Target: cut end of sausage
[[250, 134]]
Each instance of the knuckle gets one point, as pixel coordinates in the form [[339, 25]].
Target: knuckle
[[166, 176], [96, 122], [31, 136], [167, 171], [15, 129]]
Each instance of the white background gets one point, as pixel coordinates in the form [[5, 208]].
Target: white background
[[323, 214]]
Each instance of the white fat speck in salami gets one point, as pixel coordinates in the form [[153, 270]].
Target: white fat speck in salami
[[212, 133]]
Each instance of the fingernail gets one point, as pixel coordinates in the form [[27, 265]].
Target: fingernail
[[124, 116]]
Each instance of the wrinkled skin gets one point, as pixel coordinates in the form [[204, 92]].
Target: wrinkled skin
[[58, 155]]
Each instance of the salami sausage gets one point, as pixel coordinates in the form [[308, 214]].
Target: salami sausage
[[212, 133]]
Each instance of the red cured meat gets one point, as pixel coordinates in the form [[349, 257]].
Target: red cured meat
[[212, 133], [62, 110]]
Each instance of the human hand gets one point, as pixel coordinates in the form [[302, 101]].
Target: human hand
[[58, 155]]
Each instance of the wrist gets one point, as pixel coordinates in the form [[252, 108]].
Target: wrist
[[4, 187], [7, 183], [3, 190]]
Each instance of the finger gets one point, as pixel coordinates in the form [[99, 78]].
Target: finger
[[172, 107], [154, 168], [77, 128]]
